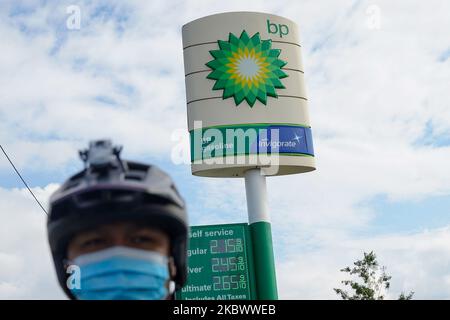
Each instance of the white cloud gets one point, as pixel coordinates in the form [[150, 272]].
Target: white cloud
[[26, 267], [417, 262], [47, 97]]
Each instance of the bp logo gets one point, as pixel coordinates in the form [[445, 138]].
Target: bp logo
[[246, 69]]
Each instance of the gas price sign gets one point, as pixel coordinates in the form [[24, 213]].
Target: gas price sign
[[220, 265]]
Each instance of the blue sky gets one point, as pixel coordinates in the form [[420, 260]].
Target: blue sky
[[379, 109]]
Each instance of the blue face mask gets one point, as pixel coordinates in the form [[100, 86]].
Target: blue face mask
[[122, 273]]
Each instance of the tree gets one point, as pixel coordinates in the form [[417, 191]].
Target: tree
[[374, 281]]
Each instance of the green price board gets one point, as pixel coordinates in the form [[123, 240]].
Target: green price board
[[220, 265]]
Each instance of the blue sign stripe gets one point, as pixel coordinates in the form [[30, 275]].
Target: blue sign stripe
[[284, 139]]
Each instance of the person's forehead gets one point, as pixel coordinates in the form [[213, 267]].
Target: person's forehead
[[127, 226]]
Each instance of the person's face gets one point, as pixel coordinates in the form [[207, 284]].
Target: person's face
[[126, 234]]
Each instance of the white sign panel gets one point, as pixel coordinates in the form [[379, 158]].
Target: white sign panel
[[245, 94]]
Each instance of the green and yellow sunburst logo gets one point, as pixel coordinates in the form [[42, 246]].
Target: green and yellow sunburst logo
[[247, 69]]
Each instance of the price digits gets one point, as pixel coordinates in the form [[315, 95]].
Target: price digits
[[228, 264], [234, 245], [229, 282]]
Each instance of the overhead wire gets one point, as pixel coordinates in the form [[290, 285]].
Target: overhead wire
[[23, 180]]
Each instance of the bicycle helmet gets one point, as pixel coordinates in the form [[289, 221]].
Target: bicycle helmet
[[108, 190]]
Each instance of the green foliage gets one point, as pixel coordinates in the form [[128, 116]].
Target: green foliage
[[407, 297], [373, 283]]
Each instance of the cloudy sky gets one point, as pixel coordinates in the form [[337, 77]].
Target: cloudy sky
[[378, 75]]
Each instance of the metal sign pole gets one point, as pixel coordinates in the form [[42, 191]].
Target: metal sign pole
[[261, 234]]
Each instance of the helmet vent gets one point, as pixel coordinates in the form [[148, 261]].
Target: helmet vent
[[132, 166], [89, 197], [134, 177], [123, 195]]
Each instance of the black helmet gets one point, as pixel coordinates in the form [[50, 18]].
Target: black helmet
[[110, 189]]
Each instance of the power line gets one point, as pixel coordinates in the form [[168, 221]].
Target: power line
[[20, 176]]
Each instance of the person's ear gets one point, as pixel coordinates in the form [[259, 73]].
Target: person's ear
[[172, 273], [172, 268]]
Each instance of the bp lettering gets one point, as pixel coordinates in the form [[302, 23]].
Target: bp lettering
[[280, 29]]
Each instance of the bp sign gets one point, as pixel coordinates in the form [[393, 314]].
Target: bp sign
[[246, 99], [220, 264]]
